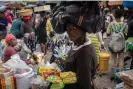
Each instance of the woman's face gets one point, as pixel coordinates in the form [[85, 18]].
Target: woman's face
[[74, 32], [14, 42]]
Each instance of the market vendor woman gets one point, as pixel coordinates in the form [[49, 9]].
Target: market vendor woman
[[77, 18], [11, 47]]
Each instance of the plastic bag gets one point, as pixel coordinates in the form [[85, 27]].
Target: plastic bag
[[15, 63], [57, 86], [46, 72], [67, 74], [54, 79], [52, 65], [70, 80], [68, 77]]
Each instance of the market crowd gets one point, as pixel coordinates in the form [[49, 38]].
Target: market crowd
[[88, 27]]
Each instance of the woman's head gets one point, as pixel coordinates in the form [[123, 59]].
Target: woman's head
[[11, 39], [76, 34], [118, 13], [26, 18], [84, 14], [47, 14], [1, 14]]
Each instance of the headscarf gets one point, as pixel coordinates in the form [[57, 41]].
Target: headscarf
[[84, 14], [9, 37]]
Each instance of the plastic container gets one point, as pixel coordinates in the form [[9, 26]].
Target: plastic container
[[23, 80], [104, 61]]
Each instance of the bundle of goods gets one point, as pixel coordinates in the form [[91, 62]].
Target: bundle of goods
[[6, 79], [22, 72], [56, 77], [68, 77], [25, 12], [127, 78], [36, 57], [46, 72]]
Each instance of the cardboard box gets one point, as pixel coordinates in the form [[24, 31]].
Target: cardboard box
[[42, 8], [127, 77]]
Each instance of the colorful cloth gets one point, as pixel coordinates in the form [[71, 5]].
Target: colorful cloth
[[48, 26], [7, 53], [118, 26], [15, 29], [129, 44], [96, 43]]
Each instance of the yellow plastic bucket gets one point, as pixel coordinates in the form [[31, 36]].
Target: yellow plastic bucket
[[104, 61]]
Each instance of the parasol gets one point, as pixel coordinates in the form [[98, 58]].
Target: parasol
[[18, 5]]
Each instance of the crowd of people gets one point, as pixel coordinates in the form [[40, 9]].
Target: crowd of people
[[88, 29]]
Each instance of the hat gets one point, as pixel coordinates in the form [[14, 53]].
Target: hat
[[26, 17], [85, 15], [9, 37]]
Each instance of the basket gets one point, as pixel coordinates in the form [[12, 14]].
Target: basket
[[25, 12]]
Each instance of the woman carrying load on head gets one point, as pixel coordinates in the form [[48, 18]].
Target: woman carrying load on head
[[77, 18]]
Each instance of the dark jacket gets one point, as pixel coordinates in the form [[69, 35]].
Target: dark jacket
[[83, 62]]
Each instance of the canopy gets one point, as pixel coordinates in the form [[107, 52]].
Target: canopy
[[128, 4], [115, 2]]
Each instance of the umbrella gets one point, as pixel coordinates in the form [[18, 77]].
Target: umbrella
[[2, 8], [18, 5]]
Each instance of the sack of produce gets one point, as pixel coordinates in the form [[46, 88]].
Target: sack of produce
[[23, 78]]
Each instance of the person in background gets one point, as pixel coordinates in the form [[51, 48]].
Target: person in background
[[27, 27], [3, 24], [48, 24], [15, 29], [42, 33], [10, 48], [48, 28], [129, 41], [115, 27], [9, 19], [108, 19], [98, 42]]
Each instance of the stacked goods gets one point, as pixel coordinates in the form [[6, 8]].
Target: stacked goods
[[46, 72], [25, 12], [68, 77], [127, 77], [6, 79]]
